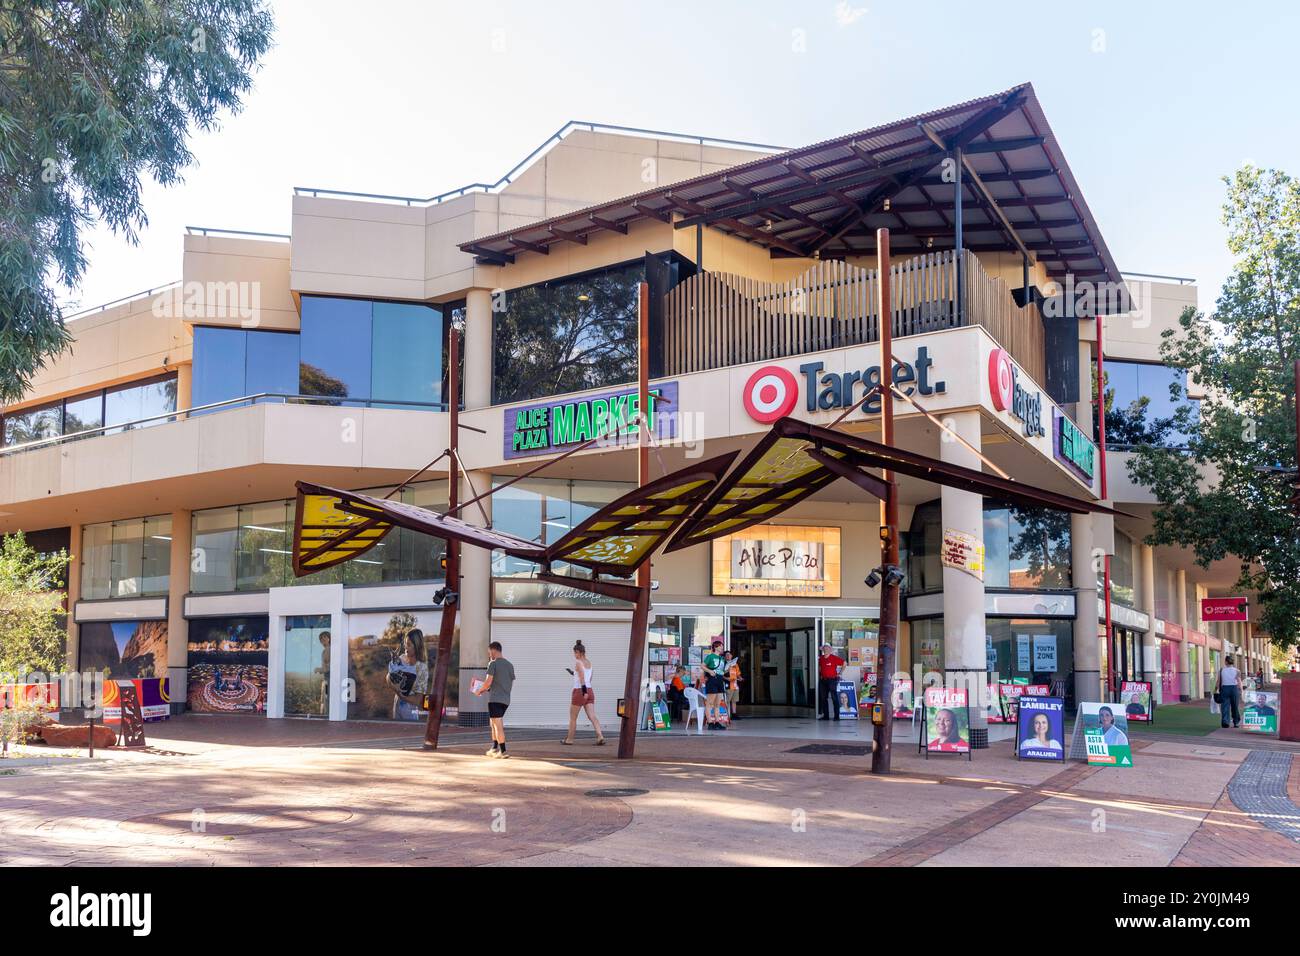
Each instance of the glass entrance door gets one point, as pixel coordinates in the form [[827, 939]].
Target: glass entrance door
[[307, 642], [775, 665]]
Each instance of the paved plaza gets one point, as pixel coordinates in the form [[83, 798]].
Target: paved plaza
[[236, 791]]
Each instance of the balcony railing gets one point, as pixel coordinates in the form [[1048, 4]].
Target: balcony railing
[[713, 319], [261, 398]]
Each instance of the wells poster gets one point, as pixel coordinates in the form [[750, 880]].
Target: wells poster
[[947, 721], [1260, 713]]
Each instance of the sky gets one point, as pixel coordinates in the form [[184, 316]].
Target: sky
[[1152, 103]]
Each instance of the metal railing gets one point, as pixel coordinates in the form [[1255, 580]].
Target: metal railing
[[1181, 280], [126, 298], [263, 398], [212, 231], [554, 138]]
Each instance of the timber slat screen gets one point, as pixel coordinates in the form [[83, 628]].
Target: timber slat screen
[[716, 319]]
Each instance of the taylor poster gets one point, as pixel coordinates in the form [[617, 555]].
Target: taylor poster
[[900, 698], [947, 721], [1105, 733], [1040, 728], [847, 695], [1259, 716], [1135, 698]]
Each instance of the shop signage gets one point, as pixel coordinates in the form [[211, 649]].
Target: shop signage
[[963, 551], [1012, 397], [553, 426], [1040, 728], [802, 560], [1071, 448], [1224, 609], [827, 390], [778, 561], [509, 592], [770, 393]]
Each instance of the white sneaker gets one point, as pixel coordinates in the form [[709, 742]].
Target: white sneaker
[[493, 753], [503, 755]]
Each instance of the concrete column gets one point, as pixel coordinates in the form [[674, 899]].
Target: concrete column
[[1147, 602], [184, 386], [964, 633], [1083, 407], [1180, 618], [178, 630], [475, 602], [1083, 573], [74, 592], [478, 348]]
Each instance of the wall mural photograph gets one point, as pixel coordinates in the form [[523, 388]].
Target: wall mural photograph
[[228, 665], [391, 658], [123, 649]]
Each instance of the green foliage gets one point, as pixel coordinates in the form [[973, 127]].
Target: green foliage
[[1223, 497], [31, 609], [94, 95]]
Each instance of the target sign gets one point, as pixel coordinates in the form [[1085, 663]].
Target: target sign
[[1001, 380], [770, 394]]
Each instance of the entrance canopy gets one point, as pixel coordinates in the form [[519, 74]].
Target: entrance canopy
[[827, 200], [796, 459]]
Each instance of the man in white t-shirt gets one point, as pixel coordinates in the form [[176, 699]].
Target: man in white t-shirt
[[1229, 691]]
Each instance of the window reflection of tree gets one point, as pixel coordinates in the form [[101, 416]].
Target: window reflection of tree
[[567, 336], [1040, 538]]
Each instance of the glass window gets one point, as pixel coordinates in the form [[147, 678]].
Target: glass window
[[1039, 651], [271, 364], [265, 542], [545, 510], [1024, 548], [96, 561], [128, 558], [130, 403], [335, 356], [567, 335], [216, 542], [156, 548], [33, 424], [219, 359], [1121, 569], [83, 414], [925, 572], [1143, 403], [406, 355]]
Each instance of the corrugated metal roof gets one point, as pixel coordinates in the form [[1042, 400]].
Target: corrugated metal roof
[[827, 199]]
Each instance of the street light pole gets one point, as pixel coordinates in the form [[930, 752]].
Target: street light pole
[[889, 583]]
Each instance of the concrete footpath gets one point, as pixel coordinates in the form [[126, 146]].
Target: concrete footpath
[[227, 791]]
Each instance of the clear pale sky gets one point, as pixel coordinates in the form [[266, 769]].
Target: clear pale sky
[[1151, 102]]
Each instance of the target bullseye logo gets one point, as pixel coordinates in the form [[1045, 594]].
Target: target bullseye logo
[[770, 394], [1002, 380]]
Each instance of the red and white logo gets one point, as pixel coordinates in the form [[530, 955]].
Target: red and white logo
[[1001, 380], [770, 394]]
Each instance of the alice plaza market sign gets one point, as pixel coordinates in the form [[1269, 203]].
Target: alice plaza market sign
[[554, 426]]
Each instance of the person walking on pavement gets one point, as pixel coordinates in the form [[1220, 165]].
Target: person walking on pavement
[[829, 666], [583, 697], [500, 681], [1229, 691]]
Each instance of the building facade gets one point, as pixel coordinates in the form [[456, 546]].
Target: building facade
[[164, 446]]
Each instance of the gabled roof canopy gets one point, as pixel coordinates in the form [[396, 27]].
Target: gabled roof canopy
[[828, 199]]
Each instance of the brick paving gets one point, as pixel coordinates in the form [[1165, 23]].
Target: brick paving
[[300, 792]]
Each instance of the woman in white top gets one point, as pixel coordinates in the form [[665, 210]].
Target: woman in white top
[[1229, 691], [583, 697]]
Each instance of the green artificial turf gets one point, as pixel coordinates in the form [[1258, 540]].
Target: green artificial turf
[[1193, 719]]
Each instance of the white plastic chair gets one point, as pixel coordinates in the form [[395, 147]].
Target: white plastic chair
[[696, 701]]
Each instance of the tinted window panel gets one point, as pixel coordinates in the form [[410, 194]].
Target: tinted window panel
[[33, 425], [406, 360], [131, 403], [335, 342], [83, 414], [219, 358]]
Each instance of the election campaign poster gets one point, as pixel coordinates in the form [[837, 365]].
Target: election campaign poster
[[1105, 734], [900, 698], [847, 695], [1260, 713], [947, 721], [1040, 728], [1135, 698]]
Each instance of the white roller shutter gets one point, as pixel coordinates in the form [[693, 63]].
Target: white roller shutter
[[541, 649]]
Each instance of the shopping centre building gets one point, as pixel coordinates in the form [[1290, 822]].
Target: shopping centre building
[[163, 448]]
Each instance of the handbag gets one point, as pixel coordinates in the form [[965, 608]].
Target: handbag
[[1218, 698]]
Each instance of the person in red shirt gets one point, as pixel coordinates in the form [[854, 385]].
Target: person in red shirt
[[828, 676]]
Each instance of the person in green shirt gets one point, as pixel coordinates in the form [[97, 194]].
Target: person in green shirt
[[715, 686]]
